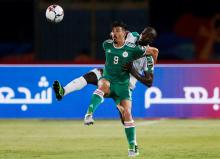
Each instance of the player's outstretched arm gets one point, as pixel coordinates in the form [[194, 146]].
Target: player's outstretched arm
[[146, 78]]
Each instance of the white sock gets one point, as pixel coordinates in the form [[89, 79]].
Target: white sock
[[74, 85]]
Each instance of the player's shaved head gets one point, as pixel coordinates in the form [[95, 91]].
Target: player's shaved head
[[148, 35]]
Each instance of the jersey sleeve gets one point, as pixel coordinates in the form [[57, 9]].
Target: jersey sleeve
[[132, 37], [104, 45], [135, 34]]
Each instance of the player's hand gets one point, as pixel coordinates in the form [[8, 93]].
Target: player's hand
[[154, 52]]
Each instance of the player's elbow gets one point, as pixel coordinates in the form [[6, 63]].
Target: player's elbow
[[149, 83], [156, 50], [148, 79]]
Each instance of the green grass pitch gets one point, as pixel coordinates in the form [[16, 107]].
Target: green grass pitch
[[70, 139]]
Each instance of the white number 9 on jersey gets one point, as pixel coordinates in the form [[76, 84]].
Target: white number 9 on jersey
[[116, 59]]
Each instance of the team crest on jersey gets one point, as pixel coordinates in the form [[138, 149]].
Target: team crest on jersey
[[125, 54]]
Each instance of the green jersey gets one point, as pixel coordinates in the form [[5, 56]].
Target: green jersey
[[116, 58]]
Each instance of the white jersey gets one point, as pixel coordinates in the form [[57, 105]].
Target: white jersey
[[140, 64], [132, 38]]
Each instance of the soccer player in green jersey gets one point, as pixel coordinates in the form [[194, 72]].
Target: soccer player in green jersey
[[115, 81], [140, 69]]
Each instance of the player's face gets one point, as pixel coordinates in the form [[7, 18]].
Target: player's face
[[143, 35], [147, 36], [118, 34]]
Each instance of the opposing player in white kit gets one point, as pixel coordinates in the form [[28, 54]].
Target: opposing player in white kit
[[141, 69]]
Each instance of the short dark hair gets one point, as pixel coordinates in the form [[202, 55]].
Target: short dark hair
[[119, 24]]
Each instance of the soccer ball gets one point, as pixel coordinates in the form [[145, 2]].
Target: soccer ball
[[54, 13]]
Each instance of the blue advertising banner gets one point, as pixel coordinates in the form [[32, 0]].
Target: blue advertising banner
[[180, 91]]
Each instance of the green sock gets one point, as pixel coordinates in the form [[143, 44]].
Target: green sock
[[130, 133], [95, 101]]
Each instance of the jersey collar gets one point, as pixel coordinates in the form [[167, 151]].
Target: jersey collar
[[119, 47]]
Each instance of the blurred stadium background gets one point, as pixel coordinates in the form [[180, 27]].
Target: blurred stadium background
[[183, 27], [186, 84]]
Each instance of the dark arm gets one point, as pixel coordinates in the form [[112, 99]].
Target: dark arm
[[146, 78]]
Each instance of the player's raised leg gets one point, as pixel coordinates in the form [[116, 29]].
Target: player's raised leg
[[91, 77], [97, 99], [77, 84], [72, 86]]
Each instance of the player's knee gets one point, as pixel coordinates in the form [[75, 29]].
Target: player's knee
[[104, 85]]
